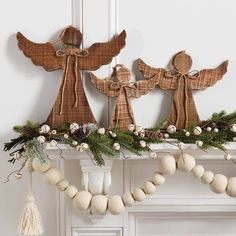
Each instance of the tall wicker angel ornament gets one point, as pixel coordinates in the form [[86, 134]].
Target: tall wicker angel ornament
[[71, 104], [118, 85], [183, 110]]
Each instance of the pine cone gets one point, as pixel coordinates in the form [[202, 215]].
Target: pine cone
[[29, 131], [81, 133], [153, 134]]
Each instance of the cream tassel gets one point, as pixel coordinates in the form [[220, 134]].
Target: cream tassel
[[30, 224]]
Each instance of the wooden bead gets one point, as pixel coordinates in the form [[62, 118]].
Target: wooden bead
[[82, 200], [71, 191], [128, 199], [186, 163], [116, 205], [99, 204], [207, 177], [40, 166], [231, 187], [52, 176], [149, 188], [63, 185], [219, 183], [139, 195], [159, 178], [168, 165], [198, 171]]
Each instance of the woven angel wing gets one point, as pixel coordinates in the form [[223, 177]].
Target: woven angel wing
[[208, 77], [102, 53], [41, 54], [104, 85], [142, 87], [148, 71]]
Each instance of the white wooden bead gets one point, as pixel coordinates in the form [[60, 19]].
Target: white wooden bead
[[207, 177], [231, 187], [186, 163], [149, 188], [40, 166], [63, 185], [99, 204], [168, 165], [116, 205], [52, 176], [128, 199], [82, 200], [159, 178], [139, 195], [219, 183], [71, 191], [198, 171]]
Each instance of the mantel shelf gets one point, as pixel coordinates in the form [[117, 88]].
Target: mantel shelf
[[162, 149]]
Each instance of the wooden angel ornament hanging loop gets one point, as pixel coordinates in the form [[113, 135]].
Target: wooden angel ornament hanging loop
[[71, 104], [118, 85], [183, 110]]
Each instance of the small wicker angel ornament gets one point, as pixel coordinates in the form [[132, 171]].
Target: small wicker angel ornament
[[71, 104], [118, 85], [183, 111]]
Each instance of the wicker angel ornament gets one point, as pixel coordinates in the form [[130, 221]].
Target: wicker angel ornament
[[71, 104], [183, 111], [118, 85]]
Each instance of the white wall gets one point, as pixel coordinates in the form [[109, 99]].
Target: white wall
[[156, 30]]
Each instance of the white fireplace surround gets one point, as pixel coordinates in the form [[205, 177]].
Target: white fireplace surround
[[183, 201]]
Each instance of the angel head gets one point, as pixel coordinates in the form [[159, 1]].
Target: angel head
[[71, 37], [182, 62], [121, 73]]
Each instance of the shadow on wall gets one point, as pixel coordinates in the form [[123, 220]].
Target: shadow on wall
[[49, 85]]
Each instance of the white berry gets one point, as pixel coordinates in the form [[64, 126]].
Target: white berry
[[116, 146], [152, 155], [101, 131], [74, 143], [44, 129], [41, 139], [166, 135], [208, 129], [233, 128], [197, 130], [53, 143], [142, 143], [131, 127], [66, 136], [171, 129], [227, 156], [215, 130], [187, 133], [138, 128], [73, 127], [54, 131], [199, 143]]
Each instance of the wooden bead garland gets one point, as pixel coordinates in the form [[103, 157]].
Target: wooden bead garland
[[100, 204], [40, 166]]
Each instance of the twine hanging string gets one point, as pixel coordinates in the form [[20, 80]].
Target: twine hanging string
[[68, 53], [190, 75]]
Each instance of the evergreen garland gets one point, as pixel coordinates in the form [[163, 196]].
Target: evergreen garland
[[216, 131]]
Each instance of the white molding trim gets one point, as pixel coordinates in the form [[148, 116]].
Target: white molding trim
[[97, 232]]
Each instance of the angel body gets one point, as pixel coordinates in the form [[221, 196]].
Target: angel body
[[183, 110], [118, 85], [71, 104]]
